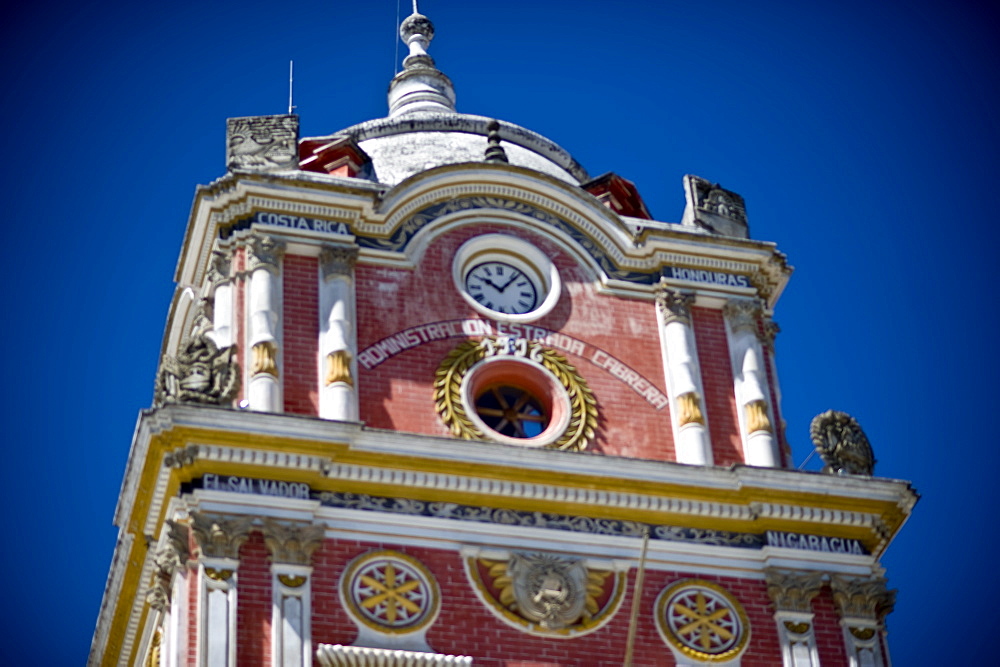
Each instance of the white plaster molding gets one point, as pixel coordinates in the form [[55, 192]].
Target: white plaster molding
[[336, 655]]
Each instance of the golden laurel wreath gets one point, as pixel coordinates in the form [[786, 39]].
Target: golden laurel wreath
[[451, 372]]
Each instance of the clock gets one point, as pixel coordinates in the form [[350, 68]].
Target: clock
[[501, 287], [506, 278]]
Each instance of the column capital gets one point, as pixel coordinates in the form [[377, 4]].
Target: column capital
[[170, 557], [866, 599], [743, 315], [218, 536], [220, 266], [337, 260], [674, 306], [292, 543], [771, 331], [264, 251], [793, 591]]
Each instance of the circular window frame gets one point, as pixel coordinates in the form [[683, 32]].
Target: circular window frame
[[514, 252], [418, 570], [683, 645], [528, 376], [455, 409]]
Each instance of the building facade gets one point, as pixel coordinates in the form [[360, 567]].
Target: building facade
[[432, 395]]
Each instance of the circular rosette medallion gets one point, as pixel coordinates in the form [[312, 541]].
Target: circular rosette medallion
[[390, 592], [702, 620]]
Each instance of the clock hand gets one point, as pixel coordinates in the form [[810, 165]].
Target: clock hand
[[507, 284]]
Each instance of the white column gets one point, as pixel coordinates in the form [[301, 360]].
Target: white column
[[264, 259], [166, 595], [863, 605], [291, 547], [680, 366], [750, 378], [337, 337], [219, 541], [221, 290], [792, 594]]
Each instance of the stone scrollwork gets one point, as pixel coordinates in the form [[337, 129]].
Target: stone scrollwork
[[169, 558], [264, 252], [338, 260], [201, 372], [292, 544], [220, 537], [863, 599], [675, 306], [793, 591], [220, 266], [842, 444], [743, 314]]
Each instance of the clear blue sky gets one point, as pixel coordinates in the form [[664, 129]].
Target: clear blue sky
[[864, 137]]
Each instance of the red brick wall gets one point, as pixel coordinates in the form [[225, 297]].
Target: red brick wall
[[827, 630], [398, 394], [465, 626], [191, 619], [253, 604], [717, 380], [300, 334]]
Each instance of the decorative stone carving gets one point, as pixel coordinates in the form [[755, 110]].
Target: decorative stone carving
[[842, 444], [548, 594], [756, 416], [292, 544], [264, 358], [689, 409], [417, 31], [675, 306], [390, 592], [264, 251], [201, 372], [338, 367], [262, 143], [714, 208], [169, 558], [548, 590], [338, 260], [220, 266], [793, 591], [743, 315], [865, 599], [220, 537], [494, 151]]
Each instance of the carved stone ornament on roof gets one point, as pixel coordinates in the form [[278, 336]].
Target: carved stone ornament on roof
[[862, 598], [417, 31], [793, 591], [220, 537], [264, 251], [713, 198], [842, 444], [338, 260], [674, 306], [201, 372], [290, 543], [494, 151], [743, 314], [262, 143]]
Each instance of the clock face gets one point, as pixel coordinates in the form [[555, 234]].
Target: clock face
[[501, 288]]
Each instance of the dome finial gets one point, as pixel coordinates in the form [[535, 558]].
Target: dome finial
[[420, 86]]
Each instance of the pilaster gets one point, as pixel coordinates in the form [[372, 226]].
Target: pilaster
[[756, 420], [680, 366], [863, 605], [792, 594], [337, 337]]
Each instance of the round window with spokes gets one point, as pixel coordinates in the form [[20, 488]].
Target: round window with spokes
[[516, 400]]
